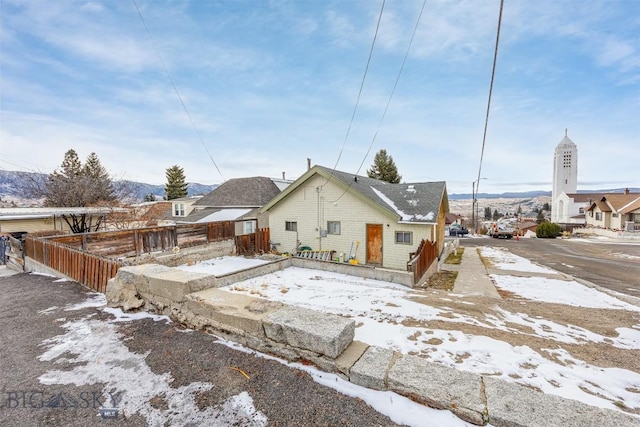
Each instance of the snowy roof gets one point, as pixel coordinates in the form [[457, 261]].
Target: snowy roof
[[410, 202]]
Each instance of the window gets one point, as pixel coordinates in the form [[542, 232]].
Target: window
[[291, 226], [178, 209], [614, 215], [598, 216], [581, 210], [404, 237], [333, 227], [636, 217], [248, 227]]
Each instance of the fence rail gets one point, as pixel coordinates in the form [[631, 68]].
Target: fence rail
[[257, 242], [422, 258], [90, 258], [93, 271]]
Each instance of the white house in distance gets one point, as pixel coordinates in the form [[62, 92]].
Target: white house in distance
[[375, 222], [565, 179]]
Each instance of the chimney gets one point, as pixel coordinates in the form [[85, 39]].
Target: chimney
[[626, 190], [283, 176], [308, 163]]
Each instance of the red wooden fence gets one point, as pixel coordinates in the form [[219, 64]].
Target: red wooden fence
[[249, 244], [422, 259]]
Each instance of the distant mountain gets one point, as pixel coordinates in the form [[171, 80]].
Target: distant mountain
[[11, 184], [510, 195], [531, 194]]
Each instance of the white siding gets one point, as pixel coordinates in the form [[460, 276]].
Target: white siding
[[312, 209]]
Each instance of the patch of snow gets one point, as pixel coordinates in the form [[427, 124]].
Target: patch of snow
[[560, 292], [48, 310], [96, 300], [121, 316], [505, 260], [222, 265]]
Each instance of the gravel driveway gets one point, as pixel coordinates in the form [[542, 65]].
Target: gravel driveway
[[190, 370]]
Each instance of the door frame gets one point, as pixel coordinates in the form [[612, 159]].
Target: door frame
[[367, 252]]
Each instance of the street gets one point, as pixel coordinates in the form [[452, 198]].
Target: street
[[169, 375], [612, 265]]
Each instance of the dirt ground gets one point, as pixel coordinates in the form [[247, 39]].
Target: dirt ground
[[600, 321]]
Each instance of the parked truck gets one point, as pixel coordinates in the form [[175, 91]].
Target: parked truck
[[500, 232]]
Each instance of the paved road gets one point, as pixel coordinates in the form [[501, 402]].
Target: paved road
[[613, 265], [136, 359]]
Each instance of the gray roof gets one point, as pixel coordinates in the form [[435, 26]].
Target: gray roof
[[413, 202], [241, 192]]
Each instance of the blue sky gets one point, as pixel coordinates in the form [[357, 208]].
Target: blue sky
[[269, 84]]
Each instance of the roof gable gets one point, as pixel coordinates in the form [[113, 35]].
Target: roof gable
[[418, 202], [241, 192]]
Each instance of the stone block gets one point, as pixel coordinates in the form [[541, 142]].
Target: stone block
[[514, 405], [350, 356], [371, 369], [440, 387], [322, 333], [173, 284]]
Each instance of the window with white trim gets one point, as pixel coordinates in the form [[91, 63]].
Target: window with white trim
[[178, 209], [333, 227], [291, 226], [249, 227], [404, 237], [598, 216]]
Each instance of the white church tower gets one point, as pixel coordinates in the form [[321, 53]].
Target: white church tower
[[565, 176]]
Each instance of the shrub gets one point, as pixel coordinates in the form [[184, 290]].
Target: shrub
[[548, 230]]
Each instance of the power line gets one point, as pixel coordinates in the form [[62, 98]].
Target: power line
[[493, 73], [395, 85], [175, 88], [355, 107]]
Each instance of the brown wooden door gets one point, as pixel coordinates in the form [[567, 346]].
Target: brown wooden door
[[374, 244]]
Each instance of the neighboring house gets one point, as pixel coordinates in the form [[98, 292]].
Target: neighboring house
[[615, 211], [524, 226], [528, 216], [375, 222], [238, 200], [454, 220], [182, 207], [32, 220], [571, 207], [146, 214]]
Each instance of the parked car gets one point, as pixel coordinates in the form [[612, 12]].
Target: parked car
[[458, 232]]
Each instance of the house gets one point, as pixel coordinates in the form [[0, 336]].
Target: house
[[615, 211], [571, 207], [523, 227], [32, 220], [238, 200], [375, 222], [183, 206]]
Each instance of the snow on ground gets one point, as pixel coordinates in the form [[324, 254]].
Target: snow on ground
[[222, 265], [100, 357], [505, 260], [388, 315]]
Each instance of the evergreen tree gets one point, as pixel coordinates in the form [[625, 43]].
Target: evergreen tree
[[546, 207], [176, 183], [150, 197], [487, 213], [496, 215], [99, 186], [540, 218], [384, 168], [77, 185], [519, 211]]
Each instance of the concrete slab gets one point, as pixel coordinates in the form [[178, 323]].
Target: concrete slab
[[440, 387], [176, 284], [514, 405], [241, 313], [473, 278], [323, 333], [371, 369]]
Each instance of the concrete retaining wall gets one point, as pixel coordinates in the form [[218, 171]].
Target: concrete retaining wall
[[606, 233], [326, 340], [395, 276], [187, 255]]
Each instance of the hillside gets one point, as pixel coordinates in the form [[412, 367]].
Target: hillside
[[12, 182]]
